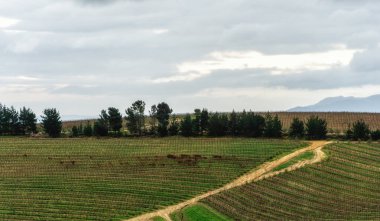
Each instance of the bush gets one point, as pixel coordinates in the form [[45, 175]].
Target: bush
[[375, 135]]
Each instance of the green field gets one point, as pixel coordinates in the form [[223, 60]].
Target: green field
[[305, 156], [113, 179], [198, 212], [344, 187]]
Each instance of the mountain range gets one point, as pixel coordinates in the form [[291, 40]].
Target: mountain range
[[343, 104]]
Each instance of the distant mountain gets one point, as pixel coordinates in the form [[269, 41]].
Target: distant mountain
[[340, 104]]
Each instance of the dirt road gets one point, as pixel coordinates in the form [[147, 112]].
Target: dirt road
[[262, 172]]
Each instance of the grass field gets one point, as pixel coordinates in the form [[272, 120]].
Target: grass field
[[344, 187], [113, 179], [198, 212]]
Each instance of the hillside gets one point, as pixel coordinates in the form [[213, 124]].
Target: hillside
[[344, 187], [115, 179], [338, 104]]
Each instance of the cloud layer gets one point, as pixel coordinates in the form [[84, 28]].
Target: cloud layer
[[82, 56]]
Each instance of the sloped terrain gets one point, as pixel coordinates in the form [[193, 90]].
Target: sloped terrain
[[346, 187], [114, 179]]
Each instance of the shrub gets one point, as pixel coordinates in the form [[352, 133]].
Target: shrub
[[375, 135]]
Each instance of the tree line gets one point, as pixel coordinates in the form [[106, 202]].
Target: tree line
[[17, 122], [162, 122]]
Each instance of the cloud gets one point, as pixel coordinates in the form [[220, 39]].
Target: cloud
[[125, 48], [276, 64], [367, 61], [8, 22]]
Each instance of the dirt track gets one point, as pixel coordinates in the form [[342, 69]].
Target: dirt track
[[264, 171]]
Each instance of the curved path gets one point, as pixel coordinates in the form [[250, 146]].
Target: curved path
[[264, 171]]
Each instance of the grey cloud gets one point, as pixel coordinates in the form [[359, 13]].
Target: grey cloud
[[113, 45], [367, 61]]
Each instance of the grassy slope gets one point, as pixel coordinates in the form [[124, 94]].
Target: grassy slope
[[345, 187], [199, 212], [90, 179], [157, 218], [305, 156]]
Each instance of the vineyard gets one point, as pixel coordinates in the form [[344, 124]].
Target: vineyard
[[198, 212], [345, 187], [337, 122], [114, 179]]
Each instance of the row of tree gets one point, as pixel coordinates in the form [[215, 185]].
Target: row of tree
[[24, 121], [161, 122], [14, 122], [360, 131]]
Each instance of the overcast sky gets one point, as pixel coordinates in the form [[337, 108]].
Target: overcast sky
[[82, 56]]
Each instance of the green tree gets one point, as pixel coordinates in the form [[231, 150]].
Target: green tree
[[115, 119], [316, 128], [187, 126], [153, 120], [197, 130], [100, 128], [174, 126], [80, 130], [204, 120], [375, 135], [87, 130], [162, 116], [74, 131], [360, 130], [14, 123], [51, 122], [136, 118], [251, 125], [28, 121], [218, 124], [273, 126], [233, 124], [297, 128], [9, 120]]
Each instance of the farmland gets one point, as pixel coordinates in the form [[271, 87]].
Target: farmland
[[337, 122], [346, 187], [198, 212], [113, 179]]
